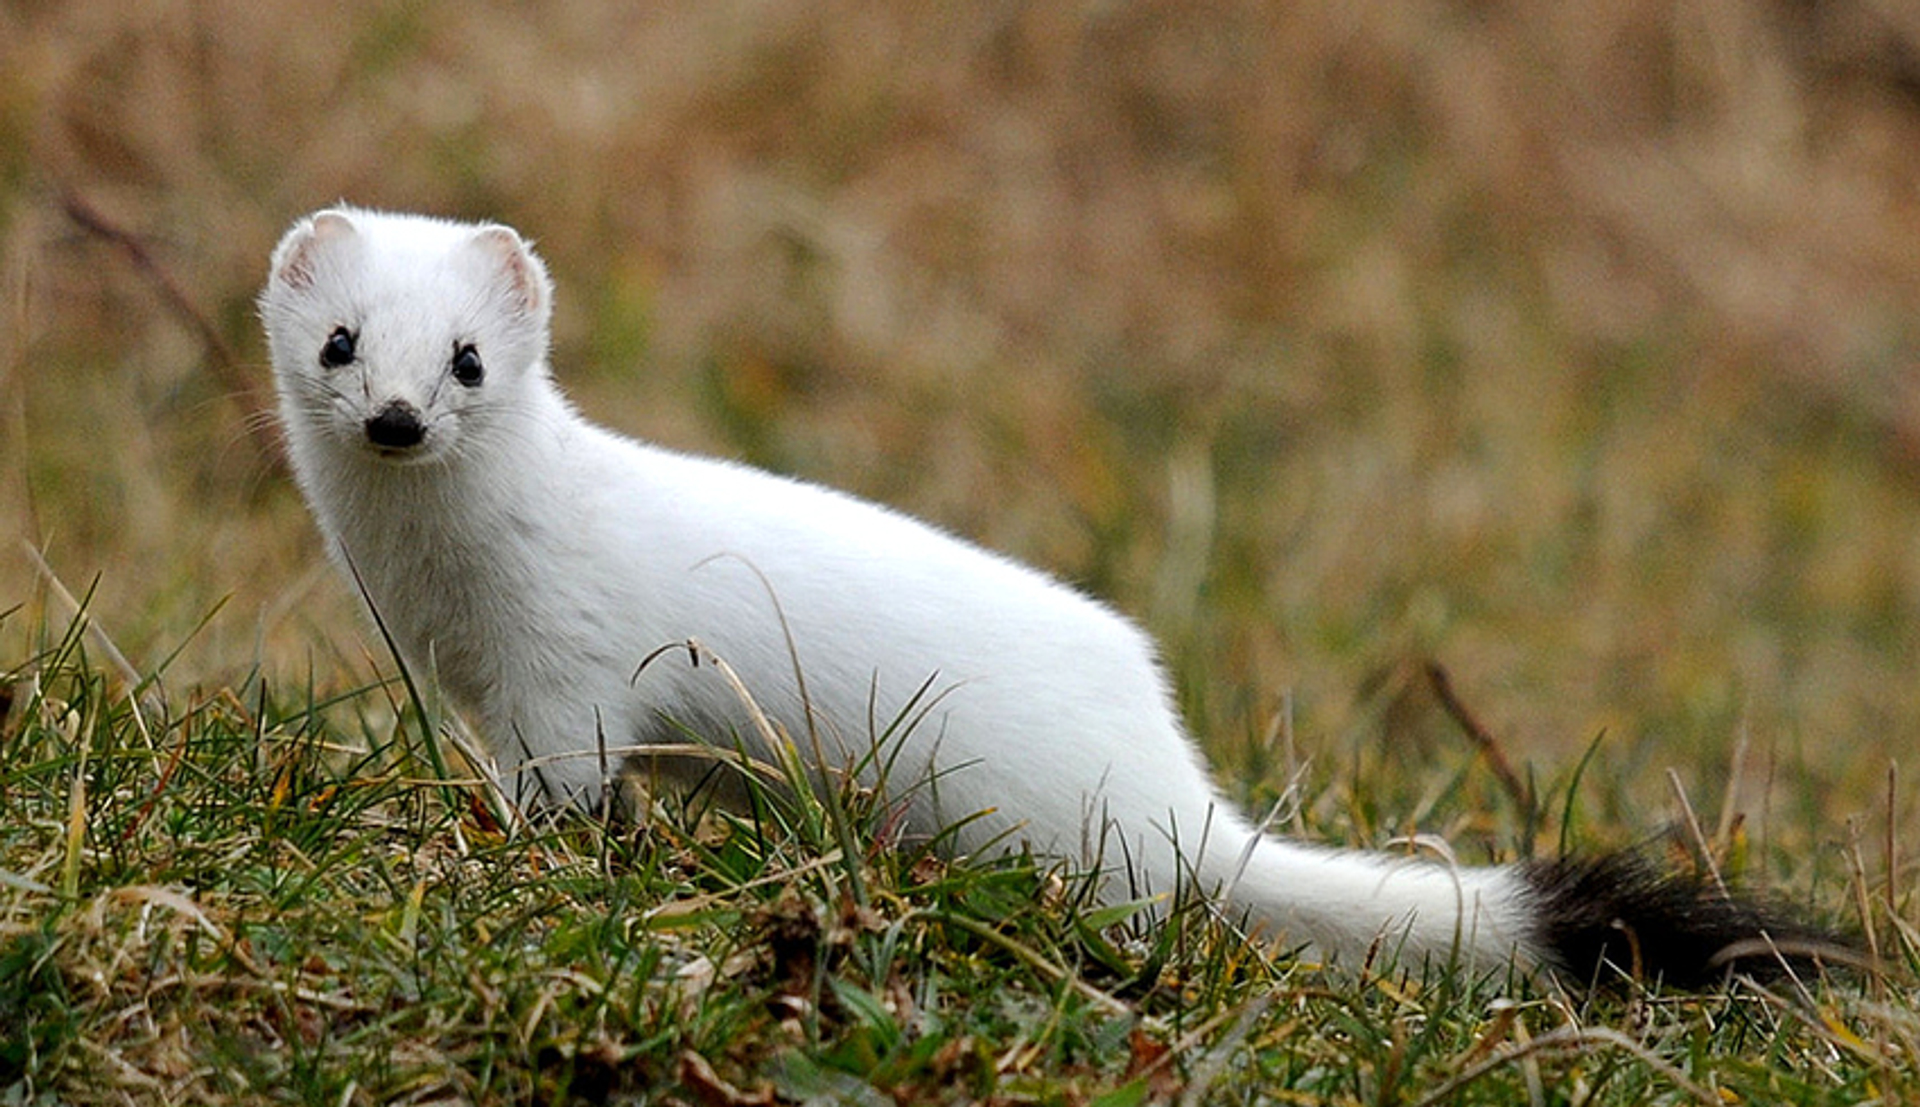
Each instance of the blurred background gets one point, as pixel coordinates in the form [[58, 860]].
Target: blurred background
[[1569, 346]]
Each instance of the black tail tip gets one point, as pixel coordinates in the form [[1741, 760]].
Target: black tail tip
[[1617, 916]]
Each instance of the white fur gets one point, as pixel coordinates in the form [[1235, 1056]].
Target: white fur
[[532, 560]]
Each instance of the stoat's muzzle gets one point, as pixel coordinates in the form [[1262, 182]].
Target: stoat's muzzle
[[396, 427]]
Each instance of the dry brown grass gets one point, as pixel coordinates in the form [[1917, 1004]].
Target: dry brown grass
[[1567, 344]]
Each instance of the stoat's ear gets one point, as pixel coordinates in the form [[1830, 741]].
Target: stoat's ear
[[523, 277], [294, 260]]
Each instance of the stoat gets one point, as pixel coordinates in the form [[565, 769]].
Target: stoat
[[532, 561]]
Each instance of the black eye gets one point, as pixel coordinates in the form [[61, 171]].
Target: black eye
[[338, 350], [466, 365]]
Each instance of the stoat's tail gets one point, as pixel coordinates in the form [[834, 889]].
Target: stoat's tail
[[1596, 918], [1587, 920]]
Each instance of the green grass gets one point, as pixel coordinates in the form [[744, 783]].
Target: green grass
[[257, 895]]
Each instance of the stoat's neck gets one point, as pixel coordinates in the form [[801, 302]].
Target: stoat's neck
[[460, 531]]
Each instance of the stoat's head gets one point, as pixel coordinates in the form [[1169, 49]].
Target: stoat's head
[[401, 337]]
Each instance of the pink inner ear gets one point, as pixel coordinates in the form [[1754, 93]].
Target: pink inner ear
[[507, 249], [296, 264], [296, 267]]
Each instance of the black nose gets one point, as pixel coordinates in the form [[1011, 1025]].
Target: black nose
[[396, 427]]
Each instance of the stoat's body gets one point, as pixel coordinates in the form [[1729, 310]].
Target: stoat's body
[[532, 560]]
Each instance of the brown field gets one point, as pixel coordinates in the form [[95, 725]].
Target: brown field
[[1570, 346]]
